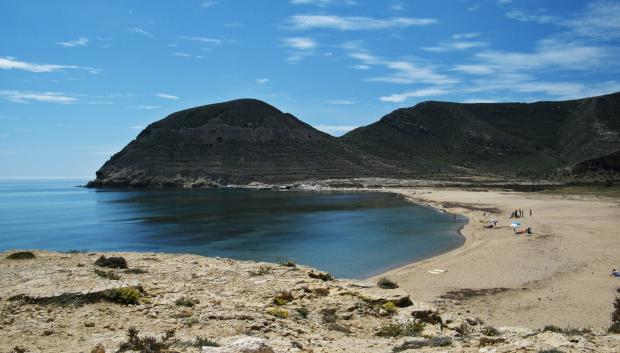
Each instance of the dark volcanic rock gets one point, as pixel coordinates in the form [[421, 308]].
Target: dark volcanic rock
[[247, 140]]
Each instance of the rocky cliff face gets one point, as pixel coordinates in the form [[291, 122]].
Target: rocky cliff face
[[247, 140]]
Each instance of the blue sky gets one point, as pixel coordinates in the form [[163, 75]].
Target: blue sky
[[80, 79]]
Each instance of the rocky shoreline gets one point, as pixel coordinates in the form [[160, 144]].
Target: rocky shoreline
[[64, 302]]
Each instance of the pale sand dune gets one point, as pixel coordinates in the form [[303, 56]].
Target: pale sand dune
[[558, 275]]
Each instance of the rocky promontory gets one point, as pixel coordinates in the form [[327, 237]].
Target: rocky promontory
[[146, 302]]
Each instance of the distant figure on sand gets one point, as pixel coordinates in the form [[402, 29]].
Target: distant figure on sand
[[530, 212], [615, 273]]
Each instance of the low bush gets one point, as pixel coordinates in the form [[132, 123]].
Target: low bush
[[262, 270], [615, 316], [329, 315], [146, 344], [185, 301], [278, 312], [135, 271], [568, 331], [321, 292], [283, 298], [204, 342], [490, 331], [387, 283], [21, 255], [322, 276], [111, 262], [289, 263], [303, 312], [427, 342], [108, 275], [410, 329], [125, 295], [389, 307]]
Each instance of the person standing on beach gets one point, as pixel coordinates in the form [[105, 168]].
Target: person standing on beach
[[530, 212]]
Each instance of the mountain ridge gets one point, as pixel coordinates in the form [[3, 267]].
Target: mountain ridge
[[247, 140]]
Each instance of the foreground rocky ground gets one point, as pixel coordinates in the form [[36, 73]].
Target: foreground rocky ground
[[63, 302]]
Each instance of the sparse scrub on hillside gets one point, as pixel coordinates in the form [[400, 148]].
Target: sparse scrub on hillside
[[21, 255], [410, 329], [186, 301], [278, 312], [135, 271], [490, 331], [111, 262], [427, 342], [146, 344], [386, 283], [568, 331], [125, 295], [322, 276], [108, 275], [615, 316], [262, 270], [283, 298]]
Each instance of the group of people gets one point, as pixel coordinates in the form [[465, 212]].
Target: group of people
[[519, 213]]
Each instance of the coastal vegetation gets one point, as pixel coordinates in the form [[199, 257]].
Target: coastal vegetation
[[21, 255], [111, 262]]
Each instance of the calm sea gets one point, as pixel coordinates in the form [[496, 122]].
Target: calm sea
[[349, 234]]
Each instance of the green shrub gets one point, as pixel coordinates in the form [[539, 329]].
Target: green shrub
[[322, 292], [21, 255], [146, 344], [410, 329], [303, 312], [427, 342], [615, 316], [387, 283], [135, 271], [389, 307], [278, 312], [283, 298], [185, 301], [329, 315], [111, 262], [568, 331], [204, 342], [262, 270], [289, 263], [490, 331], [322, 276], [125, 295], [108, 275]]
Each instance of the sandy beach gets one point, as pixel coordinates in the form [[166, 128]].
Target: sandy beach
[[558, 275]]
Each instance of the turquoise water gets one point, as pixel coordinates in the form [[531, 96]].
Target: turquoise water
[[348, 234]]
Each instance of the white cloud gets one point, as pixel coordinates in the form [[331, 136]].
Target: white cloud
[[455, 45], [203, 40], [504, 1], [140, 31], [465, 35], [186, 55], [147, 107], [323, 3], [208, 3], [424, 92], [47, 97], [335, 130], [166, 96], [341, 101], [137, 127], [478, 100], [361, 67], [262, 81], [524, 16], [355, 23], [80, 42], [474, 69], [303, 43], [600, 20], [11, 63]]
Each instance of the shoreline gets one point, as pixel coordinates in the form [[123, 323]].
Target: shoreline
[[520, 280]]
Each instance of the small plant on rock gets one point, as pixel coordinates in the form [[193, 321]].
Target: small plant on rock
[[125, 295], [389, 307], [278, 312], [490, 331], [108, 275], [111, 262], [283, 298], [185, 301], [146, 344], [21, 255]]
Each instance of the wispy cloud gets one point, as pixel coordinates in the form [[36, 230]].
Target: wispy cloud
[[262, 81], [147, 107], [341, 101], [424, 92], [11, 63], [80, 42], [599, 20], [47, 97], [186, 55], [335, 130], [525, 16], [166, 96], [203, 40], [303, 43], [141, 31], [208, 3], [324, 3], [302, 22]]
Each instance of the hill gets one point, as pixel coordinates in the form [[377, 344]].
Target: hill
[[246, 140]]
